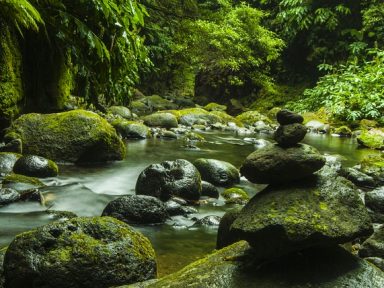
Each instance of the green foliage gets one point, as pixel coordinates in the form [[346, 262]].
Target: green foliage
[[350, 91]]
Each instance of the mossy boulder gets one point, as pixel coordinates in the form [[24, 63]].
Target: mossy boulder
[[209, 190], [235, 266], [251, 117], [21, 182], [35, 166], [224, 237], [170, 178], [80, 252], [192, 116], [374, 200], [274, 164], [374, 245], [343, 131], [217, 172], [215, 107], [137, 209], [158, 103], [235, 195], [373, 138], [317, 211], [368, 124], [225, 118], [131, 129], [7, 161], [140, 108], [160, 119], [121, 111], [76, 136], [373, 166]]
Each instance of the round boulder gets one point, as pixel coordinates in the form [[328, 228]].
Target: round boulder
[[274, 164], [285, 117], [217, 172], [209, 190], [164, 120], [289, 135], [235, 196], [121, 111], [140, 209], [35, 166], [170, 178], [80, 252]]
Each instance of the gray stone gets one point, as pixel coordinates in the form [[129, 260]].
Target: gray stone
[[7, 161], [35, 166], [374, 245], [8, 196], [217, 172], [290, 135], [374, 200], [164, 120], [121, 111], [209, 190]]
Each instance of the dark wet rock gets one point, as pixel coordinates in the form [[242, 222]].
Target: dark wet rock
[[81, 252], [374, 200], [75, 136], [21, 182], [7, 161], [374, 245], [274, 164], [14, 145], [357, 177], [170, 178], [235, 266], [289, 135], [285, 117], [378, 262], [224, 237], [33, 195], [217, 172], [209, 190], [235, 196], [35, 166], [208, 221], [316, 211], [137, 209], [121, 111], [131, 130], [174, 208], [8, 196], [164, 120]]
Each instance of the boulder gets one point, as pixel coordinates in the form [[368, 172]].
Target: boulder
[[164, 120], [75, 136], [215, 107], [373, 138], [208, 221], [274, 164], [217, 172], [343, 131], [374, 200], [7, 161], [21, 182], [131, 130], [317, 126], [137, 209], [8, 196], [191, 116], [35, 166], [175, 208], [121, 111], [374, 245], [373, 166], [285, 117], [290, 134], [358, 178], [170, 178], [209, 190], [378, 262], [80, 252], [224, 236], [316, 211], [235, 196], [234, 267]]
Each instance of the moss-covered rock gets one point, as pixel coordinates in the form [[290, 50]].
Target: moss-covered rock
[[368, 124], [289, 135], [131, 129], [343, 131], [373, 166], [217, 172], [209, 190], [374, 200], [139, 108], [7, 161], [35, 166], [374, 245], [321, 115], [121, 111], [251, 117], [373, 138], [158, 103], [161, 119], [235, 266], [225, 118], [215, 107], [170, 178], [21, 182], [235, 195], [80, 252], [318, 211], [75, 136], [192, 116], [224, 237], [140, 209]]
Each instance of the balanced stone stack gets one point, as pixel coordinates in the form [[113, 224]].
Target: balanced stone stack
[[291, 130]]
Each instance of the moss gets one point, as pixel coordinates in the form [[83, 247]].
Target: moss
[[367, 124], [235, 196], [321, 115], [65, 82], [227, 118], [373, 138], [215, 107], [16, 178], [251, 117], [343, 131]]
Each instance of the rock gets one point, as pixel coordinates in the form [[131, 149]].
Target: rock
[[81, 252], [217, 172], [215, 107], [8, 196], [373, 166], [357, 177], [192, 116], [21, 182], [378, 262], [286, 117], [7, 161], [374, 200], [368, 124], [121, 111], [75, 136], [235, 196], [208, 221], [131, 130], [317, 211], [137, 209], [174, 208], [158, 103], [170, 178], [60, 215], [234, 267], [290, 134], [165, 120], [35, 166], [274, 164], [33, 195], [140, 108], [209, 190], [373, 138], [343, 131], [168, 135], [224, 237], [226, 118], [251, 117], [317, 126], [374, 245], [15, 146]]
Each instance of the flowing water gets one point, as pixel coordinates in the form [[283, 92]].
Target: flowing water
[[87, 190]]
